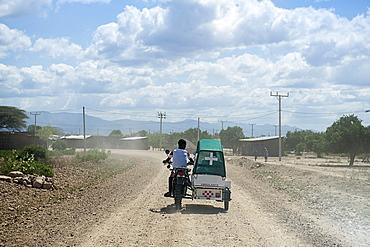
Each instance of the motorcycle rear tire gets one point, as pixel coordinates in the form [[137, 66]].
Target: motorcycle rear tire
[[178, 196]]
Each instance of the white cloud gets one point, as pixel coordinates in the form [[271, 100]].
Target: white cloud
[[82, 1], [9, 81], [60, 47], [12, 40], [221, 56], [195, 29], [16, 8]]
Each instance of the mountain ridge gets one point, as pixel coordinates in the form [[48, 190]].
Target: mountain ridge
[[72, 123]]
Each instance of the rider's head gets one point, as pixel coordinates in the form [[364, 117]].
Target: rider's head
[[182, 143]]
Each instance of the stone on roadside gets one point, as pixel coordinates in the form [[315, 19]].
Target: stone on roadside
[[15, 174], [25, 180], [5, 178], [38, 182], [47, 185]]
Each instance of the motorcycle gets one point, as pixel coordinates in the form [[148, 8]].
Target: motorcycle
[[180, 182], [207, 180]]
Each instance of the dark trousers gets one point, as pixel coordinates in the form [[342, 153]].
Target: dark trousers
[[170, 179]]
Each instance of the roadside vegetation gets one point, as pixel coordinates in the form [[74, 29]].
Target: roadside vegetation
[[31, 160], [39, 160], [346, 137]]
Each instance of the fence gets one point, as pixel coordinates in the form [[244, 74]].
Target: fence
[[19, 140]]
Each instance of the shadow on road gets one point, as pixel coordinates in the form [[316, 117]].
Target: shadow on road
[[190, 209]]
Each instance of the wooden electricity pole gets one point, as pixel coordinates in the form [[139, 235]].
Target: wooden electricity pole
[[279, 97]]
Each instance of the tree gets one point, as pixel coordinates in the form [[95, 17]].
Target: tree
[[306, 140], [300, 147], [46, 131], [230, 137], [367, 139], [347, 135], [191, 135], [293, 139], [31, 128], [116, 133], [319, 144], [154, 139], [59, 145], [12, 118], [142, 133]]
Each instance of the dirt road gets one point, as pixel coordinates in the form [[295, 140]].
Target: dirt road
[[151, 220], [257, 217], [272, 205]]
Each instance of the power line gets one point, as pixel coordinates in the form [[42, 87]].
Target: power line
[[323, 113]]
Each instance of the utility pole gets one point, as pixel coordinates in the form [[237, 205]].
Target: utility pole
[[275, 128], [222, 123], [84, 127], [252, 128], [198, 128], [35, 113], [279, 97], [161, 116]]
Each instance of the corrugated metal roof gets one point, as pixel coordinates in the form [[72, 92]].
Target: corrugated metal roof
[[134, 138], [265, 138], [76, 137]]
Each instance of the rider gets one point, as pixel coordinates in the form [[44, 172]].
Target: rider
[[180, 158]]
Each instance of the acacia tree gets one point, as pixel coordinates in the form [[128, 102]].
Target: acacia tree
[[12, 118], [347, 135]]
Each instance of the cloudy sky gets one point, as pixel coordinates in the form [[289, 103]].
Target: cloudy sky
[[217, 60]]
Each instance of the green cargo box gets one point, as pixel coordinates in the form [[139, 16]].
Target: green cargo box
[[210, 158]]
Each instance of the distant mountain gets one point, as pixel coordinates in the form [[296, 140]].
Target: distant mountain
[[73, 123]]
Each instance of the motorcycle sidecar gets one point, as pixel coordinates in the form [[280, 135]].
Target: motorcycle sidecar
[[209, 173]]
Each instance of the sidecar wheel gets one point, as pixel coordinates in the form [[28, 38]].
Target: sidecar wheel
[[226, 205]]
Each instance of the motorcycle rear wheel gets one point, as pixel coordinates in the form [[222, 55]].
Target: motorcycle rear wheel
[[178, 196]]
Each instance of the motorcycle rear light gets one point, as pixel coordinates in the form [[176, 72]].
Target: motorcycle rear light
[[218, 194], [181, 173]]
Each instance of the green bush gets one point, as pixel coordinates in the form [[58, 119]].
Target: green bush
[[38, 152], [26, 164], [5, 153], [71, 151], [59, 145], [94, 155]]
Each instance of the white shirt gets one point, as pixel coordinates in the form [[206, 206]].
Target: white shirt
[[179, 158]]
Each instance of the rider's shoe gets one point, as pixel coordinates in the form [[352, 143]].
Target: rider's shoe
[[167, 194]]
